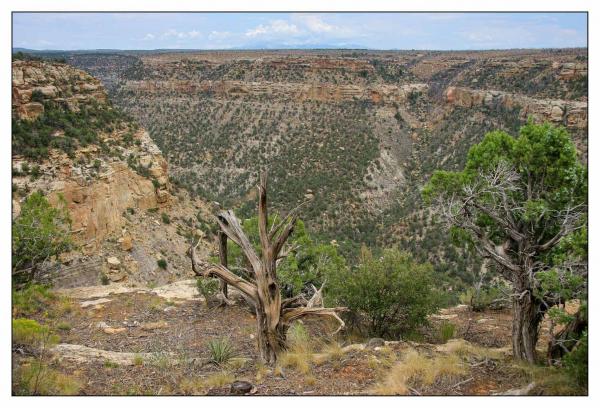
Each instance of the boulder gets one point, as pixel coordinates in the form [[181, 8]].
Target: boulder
[[48, 91], [113, 262], [30, 111], [375, 342], [241, 388], [117, 275]]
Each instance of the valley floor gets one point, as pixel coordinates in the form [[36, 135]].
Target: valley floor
[[130, 341]]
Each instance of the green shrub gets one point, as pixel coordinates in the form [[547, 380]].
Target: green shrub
[[165, 218], [38, 234], [447, 331], [162, 263], [576, 362], [221, 350], [207, 287], [31, 299], [391, 294], [488, 297], [30, 333], [104, 279]]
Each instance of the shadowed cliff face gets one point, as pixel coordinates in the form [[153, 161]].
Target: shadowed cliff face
[[360, 131]]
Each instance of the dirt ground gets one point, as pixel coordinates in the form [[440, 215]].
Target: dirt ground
[[169, 339]]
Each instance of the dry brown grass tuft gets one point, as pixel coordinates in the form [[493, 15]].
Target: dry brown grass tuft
[[192, 386], [298, 361], [416, 370], [463, 348], [219, 380]]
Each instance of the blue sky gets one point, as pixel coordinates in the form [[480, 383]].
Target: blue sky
[[299, 30]]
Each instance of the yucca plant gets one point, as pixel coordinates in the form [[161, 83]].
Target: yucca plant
[[221, 350]]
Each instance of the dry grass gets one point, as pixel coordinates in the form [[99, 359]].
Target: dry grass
[[38, 379], [192, 386], [416, 370], [219, 380], [261, 372], [463, 348], [330, 352], [300, 353], [300, 362], [548, 380], [236, 363]]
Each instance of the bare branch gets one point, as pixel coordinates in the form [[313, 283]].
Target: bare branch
[[230, 225], [206, 269], [263, 215], [289, 316]]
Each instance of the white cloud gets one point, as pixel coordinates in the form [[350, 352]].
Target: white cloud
[[182, 35], [219, 35], [316, 24], [149, 36], [275, 27]]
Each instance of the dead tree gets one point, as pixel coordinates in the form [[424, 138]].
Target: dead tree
[[273, 314]]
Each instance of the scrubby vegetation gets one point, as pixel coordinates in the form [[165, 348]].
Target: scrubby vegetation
[[39, 233], [390, 295], [62, 128]]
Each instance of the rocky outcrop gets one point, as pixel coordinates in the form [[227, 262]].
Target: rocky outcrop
[[568, 71], [326, 92], [97, 200], [572, 114], [35, 81]]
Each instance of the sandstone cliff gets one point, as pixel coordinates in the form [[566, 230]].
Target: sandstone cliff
[[572, 114], [34, 81], [117, 190]]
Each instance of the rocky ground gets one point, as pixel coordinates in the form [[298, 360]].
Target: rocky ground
[[119, 340]]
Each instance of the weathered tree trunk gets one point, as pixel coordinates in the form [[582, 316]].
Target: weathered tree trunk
[[223, 258], [273, 315], [526, 322], [271, 342]]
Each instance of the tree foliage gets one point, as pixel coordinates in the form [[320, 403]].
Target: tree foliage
[[519, 200], [39, 233]]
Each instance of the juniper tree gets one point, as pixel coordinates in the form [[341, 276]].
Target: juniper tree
[[516, 200]]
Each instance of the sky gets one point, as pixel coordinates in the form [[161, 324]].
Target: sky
[[433, 31]]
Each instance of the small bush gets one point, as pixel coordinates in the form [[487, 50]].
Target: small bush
[[162, 263], [221, 350], [31, 299], [488, 297], [37, 378], [207, 287], [447, 331], [390, 295], [30, 333], [165, 218], [39, 233], [576, 362], [63, 326], [104, 279]]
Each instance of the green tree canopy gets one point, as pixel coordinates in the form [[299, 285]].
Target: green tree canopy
[[516, 201], [39, 233]]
